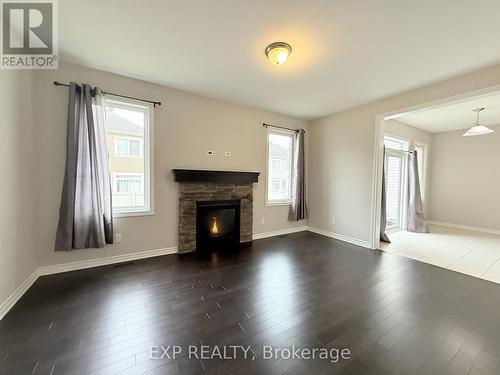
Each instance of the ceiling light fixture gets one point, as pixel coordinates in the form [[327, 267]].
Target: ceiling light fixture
[[478, 129], [278, 52]]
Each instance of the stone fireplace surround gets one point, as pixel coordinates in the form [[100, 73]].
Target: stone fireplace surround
[[208, 185]]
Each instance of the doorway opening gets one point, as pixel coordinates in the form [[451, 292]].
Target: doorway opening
[[429, 152]]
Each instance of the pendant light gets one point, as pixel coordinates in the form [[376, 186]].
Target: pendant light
[[478, 129]]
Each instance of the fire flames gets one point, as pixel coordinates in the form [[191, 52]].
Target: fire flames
[[215, 228]]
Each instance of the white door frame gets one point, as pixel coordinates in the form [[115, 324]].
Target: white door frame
[[378, 150]]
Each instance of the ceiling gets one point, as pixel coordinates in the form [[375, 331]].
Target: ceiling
[[345, 53], [454, 116]]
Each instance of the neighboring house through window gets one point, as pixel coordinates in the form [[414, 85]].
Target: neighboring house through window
[[129, 129], [279, 166]]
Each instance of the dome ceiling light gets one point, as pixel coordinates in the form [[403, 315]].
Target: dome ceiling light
[[478, 129], [278, 52]]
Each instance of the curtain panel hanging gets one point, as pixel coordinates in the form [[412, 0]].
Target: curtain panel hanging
[[85, 214], [298, 208], [415, 213]]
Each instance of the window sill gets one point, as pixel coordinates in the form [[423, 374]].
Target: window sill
[[133, 214], [272, 204]]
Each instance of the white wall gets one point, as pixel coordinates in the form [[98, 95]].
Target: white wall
[[341, 154], [18, 186], [398, 129], [186, 126], [465, 180]]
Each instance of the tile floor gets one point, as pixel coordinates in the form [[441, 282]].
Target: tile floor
[[472, 253]]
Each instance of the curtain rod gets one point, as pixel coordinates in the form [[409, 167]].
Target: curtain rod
[[110, 93], [280, 127]]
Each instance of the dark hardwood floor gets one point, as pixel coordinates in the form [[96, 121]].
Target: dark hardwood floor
[[395, 315]]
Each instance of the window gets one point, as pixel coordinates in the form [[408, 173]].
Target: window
[[279, 166], [395, 143], [276, 165], [121, 147], [134, 147], [275, 186], [129, 131], [129, 183], [128, 190], [127, 147], [421, 149], [395, 172]]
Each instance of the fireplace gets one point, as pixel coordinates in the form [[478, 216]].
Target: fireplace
[[217, 224], [215, 208]]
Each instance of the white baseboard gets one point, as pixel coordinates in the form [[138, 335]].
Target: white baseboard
[[73, 266], [341, 237], [17, 294], [464, 227], [279, 232], [80, 265]]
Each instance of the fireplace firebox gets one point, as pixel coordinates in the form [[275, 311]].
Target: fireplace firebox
[[217, 224]]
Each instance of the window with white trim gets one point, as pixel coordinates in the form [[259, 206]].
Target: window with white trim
[[279, 166], [395, 177], [129, 130]]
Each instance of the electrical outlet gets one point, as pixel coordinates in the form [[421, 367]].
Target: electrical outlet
[[333, 220], [117, 238], [210, 153], [227, 154], [262, 220]]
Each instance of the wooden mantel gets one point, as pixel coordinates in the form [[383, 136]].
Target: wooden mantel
[[207, 175]]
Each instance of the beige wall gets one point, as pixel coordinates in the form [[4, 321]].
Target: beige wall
[[17, 198], [341, 154], [186, 126], [32, 155], [465, 181]]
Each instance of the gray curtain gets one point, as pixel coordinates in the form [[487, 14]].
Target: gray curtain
[[85, 214], [298, 209], [415, 218], [383, 211]]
